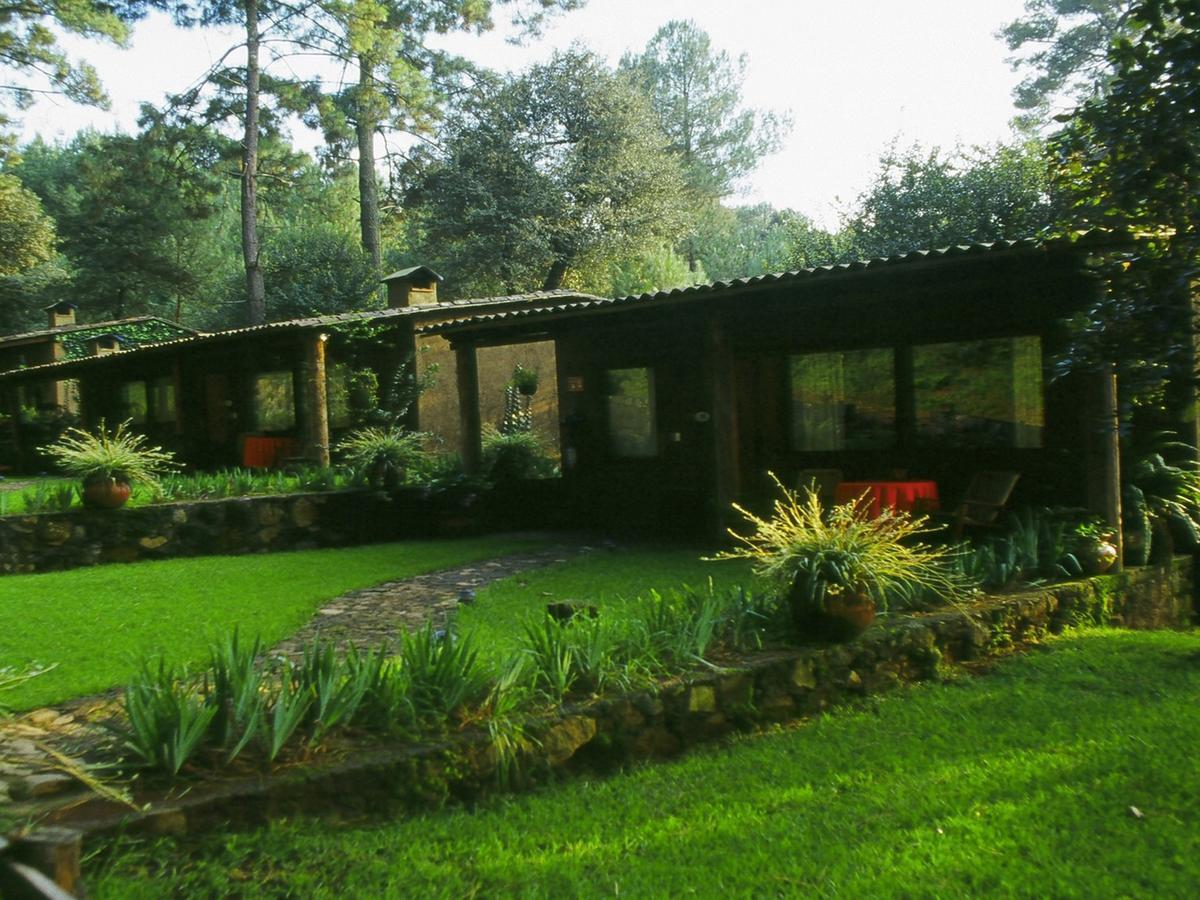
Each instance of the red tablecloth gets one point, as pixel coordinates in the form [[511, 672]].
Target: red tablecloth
[[912, 496], [266, 452]]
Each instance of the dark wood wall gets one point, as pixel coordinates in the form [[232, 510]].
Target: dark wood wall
[[675, 491]]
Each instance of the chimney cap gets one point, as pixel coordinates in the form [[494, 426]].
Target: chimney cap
[[414, 273], [60, 306]]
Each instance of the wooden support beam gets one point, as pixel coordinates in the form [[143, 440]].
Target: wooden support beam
[[1103, 435], [316, 400], [470, 426], [722, 379]]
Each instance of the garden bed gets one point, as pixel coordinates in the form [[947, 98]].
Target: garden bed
[[759, 688]]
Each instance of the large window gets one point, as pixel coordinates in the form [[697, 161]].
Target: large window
[[979, 393], [337, 392], [274, 402], [162, 399], [844, 400], [133, 402], [631, 431]]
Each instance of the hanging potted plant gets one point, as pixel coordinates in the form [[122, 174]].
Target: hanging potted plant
[[525, 380], [835, 569], [108, 465]]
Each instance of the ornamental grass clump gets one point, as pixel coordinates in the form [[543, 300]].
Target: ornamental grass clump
[[122, 456], [385, 456], [813, 557]]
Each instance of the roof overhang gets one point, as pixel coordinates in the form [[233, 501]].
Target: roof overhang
[[489, 328]]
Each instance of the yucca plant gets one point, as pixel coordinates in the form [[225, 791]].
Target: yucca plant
[[814, 558]]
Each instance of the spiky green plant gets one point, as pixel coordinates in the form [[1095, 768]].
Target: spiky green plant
[[385, 455], [802, 550], [121, 455]]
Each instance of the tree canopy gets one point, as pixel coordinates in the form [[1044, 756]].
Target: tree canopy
[[696, 95], [922, 199], [1127, 161], [547, 170], [1062, 47], [26, 232]]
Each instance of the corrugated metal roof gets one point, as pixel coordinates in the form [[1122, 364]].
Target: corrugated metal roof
[[798, 276], [433, 310]]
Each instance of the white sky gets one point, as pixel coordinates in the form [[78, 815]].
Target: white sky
[[853, 73]]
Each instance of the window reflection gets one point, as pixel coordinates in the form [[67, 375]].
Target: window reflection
[[631, 430], [844, 400]]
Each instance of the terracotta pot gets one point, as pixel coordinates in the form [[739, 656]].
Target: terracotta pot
[[105, 493], [856, 610]]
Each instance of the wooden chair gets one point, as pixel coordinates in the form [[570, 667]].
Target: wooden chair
[[825, 480], [986, 496]]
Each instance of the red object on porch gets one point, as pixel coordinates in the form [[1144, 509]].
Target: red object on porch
[[910, 496], [266, 452]]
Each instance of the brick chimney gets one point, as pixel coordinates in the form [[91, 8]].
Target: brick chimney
[[104, 344], [59, 314], [415, 286]]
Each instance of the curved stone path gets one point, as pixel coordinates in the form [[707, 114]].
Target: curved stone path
[[29, 742], [374, 615]]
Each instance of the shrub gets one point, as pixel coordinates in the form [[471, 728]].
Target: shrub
[[514, 456]]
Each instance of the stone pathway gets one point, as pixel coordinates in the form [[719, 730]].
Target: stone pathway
[[38, 748], [377, 614]]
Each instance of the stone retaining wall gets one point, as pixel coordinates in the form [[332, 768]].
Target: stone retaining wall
[[66, 540], [767, 687]]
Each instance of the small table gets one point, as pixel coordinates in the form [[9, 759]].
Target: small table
[[910, 496]]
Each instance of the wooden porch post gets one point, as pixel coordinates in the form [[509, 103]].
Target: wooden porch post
[[723, 400], [1104, 483], [316, 400], [470, 426]]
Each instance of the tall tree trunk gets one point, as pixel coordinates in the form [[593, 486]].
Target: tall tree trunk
[[554, 278], [368, 191], [256, 294]]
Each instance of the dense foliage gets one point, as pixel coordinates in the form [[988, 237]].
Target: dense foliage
[[1127, 162]]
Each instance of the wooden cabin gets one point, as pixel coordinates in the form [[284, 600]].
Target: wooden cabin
[[265, 395], [930, 366]]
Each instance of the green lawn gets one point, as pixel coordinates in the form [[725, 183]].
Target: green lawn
[[602, 577], [1015, 783], [97, 623]]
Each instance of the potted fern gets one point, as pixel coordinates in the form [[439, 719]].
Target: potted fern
[[109, 464]]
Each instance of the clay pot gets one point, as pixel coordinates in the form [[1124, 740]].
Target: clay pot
[[105, 493], [856, 610]]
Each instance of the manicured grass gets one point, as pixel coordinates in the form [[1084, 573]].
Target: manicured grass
[[98, 623], [600, 578], [1015, 783]]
